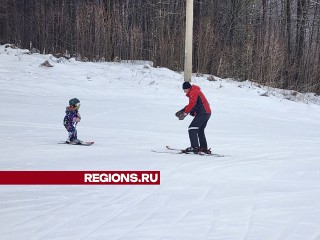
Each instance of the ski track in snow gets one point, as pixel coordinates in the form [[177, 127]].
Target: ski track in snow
[[268, 189]]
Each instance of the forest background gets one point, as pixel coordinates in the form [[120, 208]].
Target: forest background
[[272, 42]]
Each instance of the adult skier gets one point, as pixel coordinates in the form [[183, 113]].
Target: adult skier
[[199, 108]]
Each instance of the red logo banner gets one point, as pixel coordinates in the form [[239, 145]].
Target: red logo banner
[[79, 177]]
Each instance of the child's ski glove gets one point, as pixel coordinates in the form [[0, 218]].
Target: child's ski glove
[[76, 119]]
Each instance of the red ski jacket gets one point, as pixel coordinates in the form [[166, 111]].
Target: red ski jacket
[[198, 104]]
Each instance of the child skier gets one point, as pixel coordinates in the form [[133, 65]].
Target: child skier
[[71, 120]]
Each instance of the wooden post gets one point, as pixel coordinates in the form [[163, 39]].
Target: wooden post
[[188, 42]]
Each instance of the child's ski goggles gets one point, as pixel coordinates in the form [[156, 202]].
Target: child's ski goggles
[[77, 106]]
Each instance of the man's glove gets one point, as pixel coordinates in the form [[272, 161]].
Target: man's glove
[[182, 116], [180, 112]]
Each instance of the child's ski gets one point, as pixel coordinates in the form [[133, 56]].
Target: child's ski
[[80, 143]]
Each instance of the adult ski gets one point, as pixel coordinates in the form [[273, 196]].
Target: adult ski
[[168, 152], [182, 151]]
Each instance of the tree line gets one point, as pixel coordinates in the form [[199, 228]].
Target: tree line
[[272, 42]]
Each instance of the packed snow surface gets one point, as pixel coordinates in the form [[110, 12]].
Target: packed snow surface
[[267, 188]]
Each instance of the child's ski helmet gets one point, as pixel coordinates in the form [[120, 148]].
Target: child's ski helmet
[[74, 101]]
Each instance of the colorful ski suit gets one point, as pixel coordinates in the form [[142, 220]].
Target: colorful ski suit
[[70, 121]]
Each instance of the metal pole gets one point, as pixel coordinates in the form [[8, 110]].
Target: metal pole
[[188, 42]]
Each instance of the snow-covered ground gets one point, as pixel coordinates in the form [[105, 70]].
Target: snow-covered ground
[[268, 189]]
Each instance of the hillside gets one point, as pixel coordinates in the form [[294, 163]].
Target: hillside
[[267, 189]]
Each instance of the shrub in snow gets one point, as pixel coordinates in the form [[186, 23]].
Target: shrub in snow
[[34, 50], [211, 78], [264, 94], [46, 64]]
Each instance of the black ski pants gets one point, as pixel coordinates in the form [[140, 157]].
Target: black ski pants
[[196, 131]]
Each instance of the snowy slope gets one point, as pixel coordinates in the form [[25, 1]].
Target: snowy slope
[[269, 189]]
